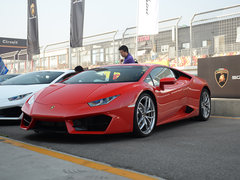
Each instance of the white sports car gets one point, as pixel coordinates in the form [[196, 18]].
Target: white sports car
[[16, 91]]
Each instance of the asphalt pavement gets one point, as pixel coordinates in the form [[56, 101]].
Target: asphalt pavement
[[187, 149], [21, 164]]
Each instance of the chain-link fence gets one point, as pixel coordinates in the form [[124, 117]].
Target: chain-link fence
[[212, 33], [9, 60], [215, 33], [166, 49], [100, 49], [17, 61], [161, 48], [24, 65]]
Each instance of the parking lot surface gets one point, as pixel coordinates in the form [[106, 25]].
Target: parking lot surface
[[187, 149]]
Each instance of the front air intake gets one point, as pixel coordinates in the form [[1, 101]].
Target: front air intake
[[50, 126], [94, 123], [26, 120]]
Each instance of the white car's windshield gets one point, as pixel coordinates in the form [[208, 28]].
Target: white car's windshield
[[7, 76], [41, 77]]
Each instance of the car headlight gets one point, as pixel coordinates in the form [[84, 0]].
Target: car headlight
[[102, 101], [31, 100], [14, 98]]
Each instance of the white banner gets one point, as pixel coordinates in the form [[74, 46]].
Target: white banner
[[148, 17], [238, 34]]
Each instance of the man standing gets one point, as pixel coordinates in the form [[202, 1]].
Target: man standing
[[128, 59]]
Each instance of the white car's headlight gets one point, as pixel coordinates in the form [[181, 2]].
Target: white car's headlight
[[14, 98], [102, 101], [31, 100]]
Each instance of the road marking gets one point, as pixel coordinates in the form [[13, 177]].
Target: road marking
[[77, 160], [224, 117]]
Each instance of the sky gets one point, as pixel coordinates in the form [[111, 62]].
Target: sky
[[100, 16]]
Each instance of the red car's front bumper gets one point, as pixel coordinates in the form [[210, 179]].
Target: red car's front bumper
[[97, 120]]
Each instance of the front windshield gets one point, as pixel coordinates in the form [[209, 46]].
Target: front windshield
[[5, 77], [112, 74], [41, 77]]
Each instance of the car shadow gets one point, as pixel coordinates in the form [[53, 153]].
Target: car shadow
[[77, 139], [111, 138], [10, 122], [173, 125]]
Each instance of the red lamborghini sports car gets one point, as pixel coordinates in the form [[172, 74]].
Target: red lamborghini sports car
[[118, 99]]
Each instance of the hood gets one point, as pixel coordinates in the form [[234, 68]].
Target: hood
[[7, 91], [80, 93]]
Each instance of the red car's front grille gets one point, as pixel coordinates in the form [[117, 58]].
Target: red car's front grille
[[94, 123], [50, 126]]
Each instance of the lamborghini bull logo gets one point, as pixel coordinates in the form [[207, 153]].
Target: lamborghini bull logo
[[221, 76], [52, 107], [32, 9]]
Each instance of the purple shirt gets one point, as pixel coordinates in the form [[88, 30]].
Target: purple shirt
[[129, 59]]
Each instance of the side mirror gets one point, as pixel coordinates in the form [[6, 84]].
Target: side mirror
[[167, 80]]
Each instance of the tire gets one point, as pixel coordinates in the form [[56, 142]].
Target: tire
[[145, 115], [204, 106]]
